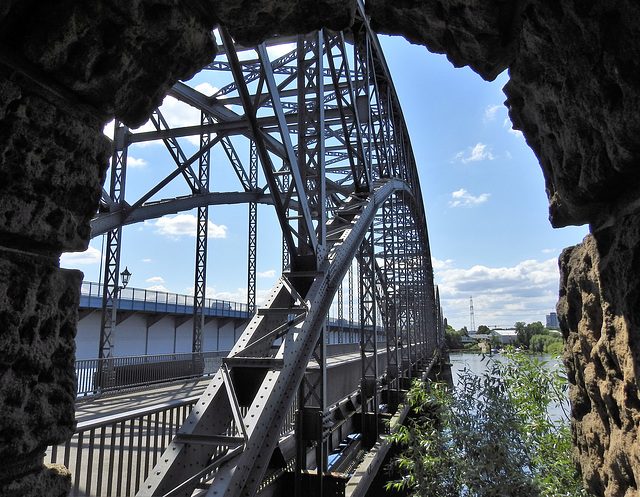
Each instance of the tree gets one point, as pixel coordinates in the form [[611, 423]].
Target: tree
[[522, 334], [491, 436], [483, 330], [453, 338], [536, 329]]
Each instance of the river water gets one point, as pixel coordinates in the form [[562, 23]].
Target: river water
[[479, 364]]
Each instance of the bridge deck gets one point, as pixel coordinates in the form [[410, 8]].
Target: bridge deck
[[122, 435], [114, 405]]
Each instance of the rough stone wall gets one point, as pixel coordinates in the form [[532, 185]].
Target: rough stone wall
[[600, 313], [66, 67]]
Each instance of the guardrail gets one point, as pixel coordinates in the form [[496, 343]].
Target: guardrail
[[112, 456], [96, 376], [114, 374], [139, 299]]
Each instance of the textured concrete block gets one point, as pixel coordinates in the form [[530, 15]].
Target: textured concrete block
[[574, 93], [121, 56], [482, 35], [599, 314], [52, 167], [38, 315]]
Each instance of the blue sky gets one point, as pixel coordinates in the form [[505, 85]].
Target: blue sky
[[483, 189]]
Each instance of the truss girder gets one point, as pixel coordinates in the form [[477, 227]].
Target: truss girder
[[328, 150], [278, 342], [253, 231]]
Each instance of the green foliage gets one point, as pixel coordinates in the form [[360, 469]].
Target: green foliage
[[453, 338], [529, 336], [491, 436], [533, 388], [483, 330], [548, 344]]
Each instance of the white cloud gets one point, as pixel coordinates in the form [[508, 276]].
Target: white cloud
[[185, 224], [438, 264], [136, 163], [206, 89], [477, 154], [73, 259], [107, 130], [501, 296], [158, 288], [156, 279], [271, 273], [145, 260], [491, 111], [462, 198], [515, 132], [280, 50], [177, 114]]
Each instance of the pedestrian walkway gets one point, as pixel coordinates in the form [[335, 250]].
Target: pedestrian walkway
[[102, 406]]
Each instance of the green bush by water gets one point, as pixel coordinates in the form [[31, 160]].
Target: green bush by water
[[490, 436]]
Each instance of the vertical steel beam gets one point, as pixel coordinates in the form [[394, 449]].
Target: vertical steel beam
[[390, 261], [111, 289], [340, 314], [350, 300], [351, 113], [199, 288], [368, 341], [311, 162], [311, 133], [253, 230]]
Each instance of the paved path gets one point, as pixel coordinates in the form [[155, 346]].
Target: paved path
[[95, 407]]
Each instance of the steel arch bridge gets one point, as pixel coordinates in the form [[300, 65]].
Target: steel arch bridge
[[328, 149]]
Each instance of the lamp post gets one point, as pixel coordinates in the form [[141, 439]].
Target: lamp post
[[125, 275], [110, 304]]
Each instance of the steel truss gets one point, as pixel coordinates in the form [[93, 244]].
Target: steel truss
[[328, 150]]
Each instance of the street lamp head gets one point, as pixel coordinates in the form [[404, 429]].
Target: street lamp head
[[125, 277]]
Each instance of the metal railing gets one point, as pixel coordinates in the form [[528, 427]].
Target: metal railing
[[112, 456], [96, 376], [139, 299]]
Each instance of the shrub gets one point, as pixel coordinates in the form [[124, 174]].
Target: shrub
[[491, 436]]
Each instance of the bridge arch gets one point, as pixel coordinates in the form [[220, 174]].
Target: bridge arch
[[329, 151]]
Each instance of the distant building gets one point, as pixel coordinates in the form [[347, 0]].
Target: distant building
[[507, 337], [552, 320]]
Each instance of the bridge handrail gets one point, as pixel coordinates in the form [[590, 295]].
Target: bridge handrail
[[130, 295], [106, 455], [148, 370], [112, 455], [113, 374]]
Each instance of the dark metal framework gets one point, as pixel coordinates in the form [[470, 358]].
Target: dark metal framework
[[328, 149], [115, 202]]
